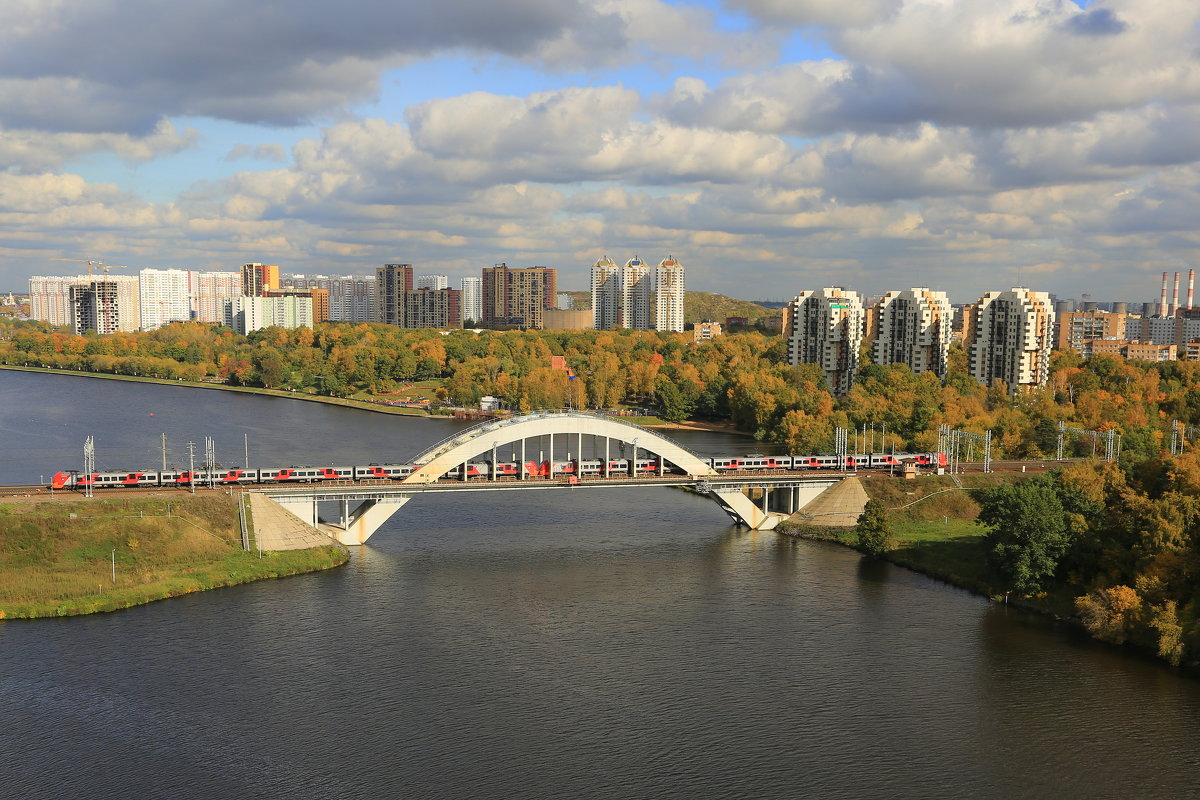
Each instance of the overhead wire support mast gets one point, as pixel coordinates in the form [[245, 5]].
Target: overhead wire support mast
[[1180, 434], [89, 465], [1111, 439], [951, 442]]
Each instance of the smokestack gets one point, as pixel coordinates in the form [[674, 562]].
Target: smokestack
[[1175, 297], [1162, 302], [1191, 285]]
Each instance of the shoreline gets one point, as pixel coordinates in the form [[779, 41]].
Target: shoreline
[[162, 546], [361, 405]]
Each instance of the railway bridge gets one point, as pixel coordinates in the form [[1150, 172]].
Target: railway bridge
[[759, 502]]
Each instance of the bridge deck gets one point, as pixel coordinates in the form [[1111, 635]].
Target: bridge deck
[[349, 489]]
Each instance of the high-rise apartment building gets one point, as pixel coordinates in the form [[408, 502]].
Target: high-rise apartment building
[[636, 289], [258, 279], [391, 282], [1009, 336], [432, 308], [351, 297], [1076, 327], [50, 298], [165, 295], [913, 327], [517, 297], [432, 282], [825, 327], [606, 294], [105, 305], [318, 296], [472, 299], [246, 314], [669, 294], [210, 291]]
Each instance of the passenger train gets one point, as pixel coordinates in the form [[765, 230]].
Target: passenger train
[[483, 470]]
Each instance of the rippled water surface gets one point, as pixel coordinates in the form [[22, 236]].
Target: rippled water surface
[[602, 643]]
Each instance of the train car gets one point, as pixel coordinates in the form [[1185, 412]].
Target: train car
[[382, 472], [279, 475], [475, 469]]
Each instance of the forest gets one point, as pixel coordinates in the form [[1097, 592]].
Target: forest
[[742, 378]]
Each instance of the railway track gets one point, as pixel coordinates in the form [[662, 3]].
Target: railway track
[[22, 490]]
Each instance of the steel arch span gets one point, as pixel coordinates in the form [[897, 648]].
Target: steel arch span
[[479, 439]]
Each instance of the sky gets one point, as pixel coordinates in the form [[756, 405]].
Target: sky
[[771, 146]]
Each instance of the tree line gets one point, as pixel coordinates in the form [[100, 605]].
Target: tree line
[[741, 378]]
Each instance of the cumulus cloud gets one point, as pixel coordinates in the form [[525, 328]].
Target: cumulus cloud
[[121, 65], [36, 151], [981, 63], [952, 141]]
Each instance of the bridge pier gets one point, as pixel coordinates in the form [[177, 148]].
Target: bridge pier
[[356, 520], [742, 509]]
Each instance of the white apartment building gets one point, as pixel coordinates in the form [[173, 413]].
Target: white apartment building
[[1009, 336], [669, 293], [606, 294], [50, 298], [211, 291], [434, 282], [825, 327], [471, 298], [351, 297], [914, 327], [247, 314], [165, 295], [637, 285]]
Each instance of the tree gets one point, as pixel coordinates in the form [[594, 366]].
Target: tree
[[1029, 532], [873, 528], [673, 406]]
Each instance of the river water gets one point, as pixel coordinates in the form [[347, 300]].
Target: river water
[[592, 643]]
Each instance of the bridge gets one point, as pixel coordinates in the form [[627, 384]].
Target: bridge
[[757, 501]]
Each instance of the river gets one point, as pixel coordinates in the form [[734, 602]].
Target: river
[[604, 643]]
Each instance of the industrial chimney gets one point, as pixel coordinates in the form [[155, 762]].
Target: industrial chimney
[[1162, 302], [1175, 297], [1191, 285]]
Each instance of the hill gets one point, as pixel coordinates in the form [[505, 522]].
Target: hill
[[700, 306]]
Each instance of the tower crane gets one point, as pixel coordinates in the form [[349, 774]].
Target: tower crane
[[91, 262]]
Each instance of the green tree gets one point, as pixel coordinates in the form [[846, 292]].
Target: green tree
[[1029, 532], [873, 528], [672, 404]]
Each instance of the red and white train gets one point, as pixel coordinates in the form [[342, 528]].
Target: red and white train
[[483, 470]]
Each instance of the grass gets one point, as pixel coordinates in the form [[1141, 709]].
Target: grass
[[933, 527], [59, 558]]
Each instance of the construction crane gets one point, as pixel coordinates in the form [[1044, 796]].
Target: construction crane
[[91, 262]]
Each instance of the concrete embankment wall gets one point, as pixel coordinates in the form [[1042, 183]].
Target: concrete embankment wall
[[276, 528], [836, 507]]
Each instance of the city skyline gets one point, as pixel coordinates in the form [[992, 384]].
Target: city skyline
[[958, 144]]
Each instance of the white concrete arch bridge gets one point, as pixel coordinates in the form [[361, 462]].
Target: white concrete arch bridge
[[363, 506]]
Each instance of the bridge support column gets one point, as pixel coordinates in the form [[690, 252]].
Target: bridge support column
[[357, 523], [743, 509], [356, 520]]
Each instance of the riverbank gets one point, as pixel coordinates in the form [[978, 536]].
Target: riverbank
[[63, 558], [933, 529]]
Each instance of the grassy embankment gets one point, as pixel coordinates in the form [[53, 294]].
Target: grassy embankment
[[933, 527], [54, 565]]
